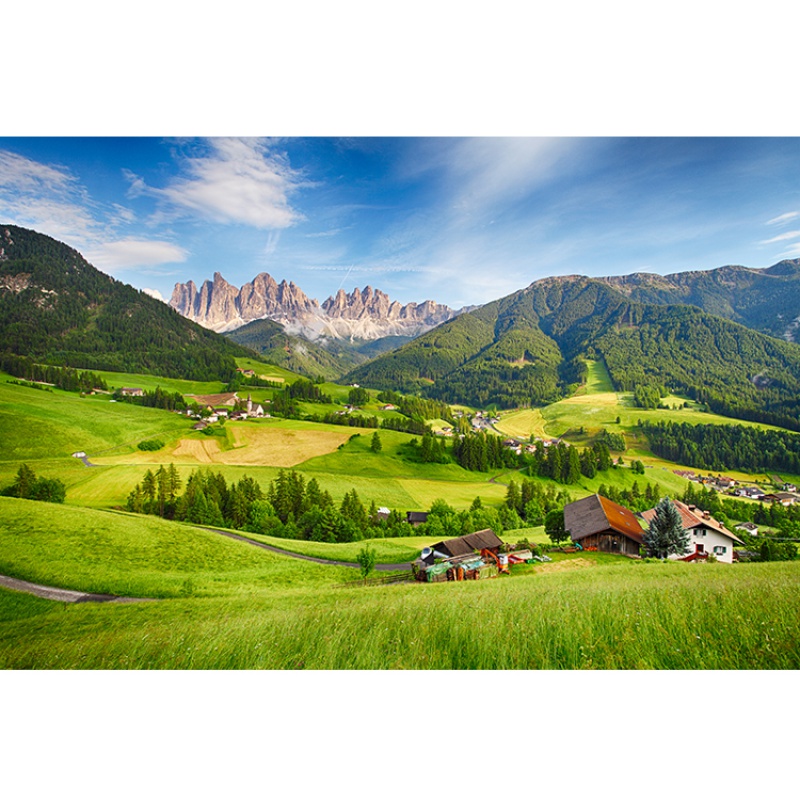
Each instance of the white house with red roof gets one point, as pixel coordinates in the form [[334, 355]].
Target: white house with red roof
[[707, 535]]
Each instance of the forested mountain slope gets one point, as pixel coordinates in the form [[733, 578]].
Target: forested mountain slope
[[527, 348], [57, 308], [767, 300]]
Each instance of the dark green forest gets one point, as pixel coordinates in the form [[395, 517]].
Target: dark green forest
[[57, 308]]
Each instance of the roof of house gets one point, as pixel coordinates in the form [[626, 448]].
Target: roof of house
[[693, 517], [747, 526], [486, 539], [596, 514], [417, 516], [225, 399]]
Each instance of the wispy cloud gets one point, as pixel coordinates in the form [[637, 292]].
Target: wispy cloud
[[782, 238], [237, 181], [132, 253], [44, 197], [789, 215]]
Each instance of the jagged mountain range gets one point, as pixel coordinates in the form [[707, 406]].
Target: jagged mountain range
[[361, 315]]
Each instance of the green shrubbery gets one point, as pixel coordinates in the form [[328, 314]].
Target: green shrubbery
[[26, 485]]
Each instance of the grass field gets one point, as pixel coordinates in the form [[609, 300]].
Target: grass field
[[228, 605]]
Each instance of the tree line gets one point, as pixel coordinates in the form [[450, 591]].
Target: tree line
[[721, 447]]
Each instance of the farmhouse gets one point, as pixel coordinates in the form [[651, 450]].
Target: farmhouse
[[598, 524], [416, 517], [707, 534], [131, 391]]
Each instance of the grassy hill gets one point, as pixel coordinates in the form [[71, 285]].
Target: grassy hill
[[228, 605], [57, 308]]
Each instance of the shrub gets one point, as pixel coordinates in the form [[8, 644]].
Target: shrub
[[150, 444]]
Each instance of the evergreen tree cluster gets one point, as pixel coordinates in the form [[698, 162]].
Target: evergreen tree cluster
[[70, 380], [721, 447], [482, 451], [566, 464], [533, 501], [158, 398], [30, 487], [635, 498]]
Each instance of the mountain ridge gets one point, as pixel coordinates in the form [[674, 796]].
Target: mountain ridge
[[368, 314]]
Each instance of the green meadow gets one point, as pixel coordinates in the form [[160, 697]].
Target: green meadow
[[220, 603], [224, 604]]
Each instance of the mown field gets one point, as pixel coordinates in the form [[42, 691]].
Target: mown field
[[227, 605]]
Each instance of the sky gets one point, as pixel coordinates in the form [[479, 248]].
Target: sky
[[458, 220]]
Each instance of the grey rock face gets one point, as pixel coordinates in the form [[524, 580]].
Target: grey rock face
[[367, 314]]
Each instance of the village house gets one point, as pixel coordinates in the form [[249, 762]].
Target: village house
[[789, 487], [131, 391], [416, 517], [707, 535], [749, 528], [596, 523], [753, 492]]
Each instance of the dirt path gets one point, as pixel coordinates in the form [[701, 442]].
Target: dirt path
[[71, 596], [378, 567], [65, 595]]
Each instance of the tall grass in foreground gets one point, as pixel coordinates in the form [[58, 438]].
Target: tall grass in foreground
[[655, 616]]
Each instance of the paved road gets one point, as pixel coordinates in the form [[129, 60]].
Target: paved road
[[379, 567], [65, 595]]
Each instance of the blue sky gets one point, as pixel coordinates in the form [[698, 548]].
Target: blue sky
[[457, 220]]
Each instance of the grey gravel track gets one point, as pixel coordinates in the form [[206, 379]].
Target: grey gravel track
[[65, 595], [378, 567]]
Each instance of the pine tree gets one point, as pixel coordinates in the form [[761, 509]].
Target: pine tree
[[376, 446], [666, 535]]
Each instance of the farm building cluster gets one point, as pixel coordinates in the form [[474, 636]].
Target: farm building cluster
[[593, 523], [475, 556]]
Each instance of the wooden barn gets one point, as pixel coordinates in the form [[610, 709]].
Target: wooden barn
[[471, 557], [598, 524]]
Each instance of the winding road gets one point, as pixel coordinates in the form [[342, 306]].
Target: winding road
[[72, 596]]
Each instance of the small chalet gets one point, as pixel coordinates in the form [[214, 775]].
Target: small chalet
[[753, 492], [466, 545], [131, 391], [789, 487], [416, 517], [599, 524], [748, 527], [707, 534]]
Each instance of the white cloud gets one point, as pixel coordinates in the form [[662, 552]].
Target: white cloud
[[239, 181], [783, 218], [47, 198], [131, 253], [782, 238], [155, 294], [792, 252]]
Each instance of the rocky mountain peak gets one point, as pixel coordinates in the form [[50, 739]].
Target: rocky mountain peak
[[366, 313]]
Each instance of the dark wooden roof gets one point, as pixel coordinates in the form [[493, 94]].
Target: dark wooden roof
[[596, 514], [464, 545], [417, 516]]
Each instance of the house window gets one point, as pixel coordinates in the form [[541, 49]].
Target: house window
[[719, 550]]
